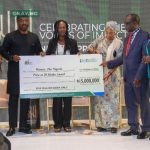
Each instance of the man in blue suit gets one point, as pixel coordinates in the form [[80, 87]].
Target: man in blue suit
[[135, 80]]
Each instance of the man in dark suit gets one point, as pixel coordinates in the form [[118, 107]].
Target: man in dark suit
[[18, 43], [135, 81]]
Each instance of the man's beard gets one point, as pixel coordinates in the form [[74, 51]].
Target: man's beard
[[24, 28]]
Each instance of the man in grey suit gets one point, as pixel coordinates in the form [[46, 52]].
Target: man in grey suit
[[135, 79]]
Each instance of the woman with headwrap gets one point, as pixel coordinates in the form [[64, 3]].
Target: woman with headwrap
[[107, 106]]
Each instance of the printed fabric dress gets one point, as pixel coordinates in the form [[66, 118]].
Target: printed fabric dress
[[107, 113]]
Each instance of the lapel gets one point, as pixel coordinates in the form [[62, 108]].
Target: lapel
[[135, 41], [124, 45]]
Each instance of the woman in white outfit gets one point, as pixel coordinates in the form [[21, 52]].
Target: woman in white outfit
[[107, 106]]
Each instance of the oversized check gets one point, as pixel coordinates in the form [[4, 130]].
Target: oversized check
[[61, 76]]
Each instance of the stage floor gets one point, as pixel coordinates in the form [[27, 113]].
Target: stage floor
[[79, 139]]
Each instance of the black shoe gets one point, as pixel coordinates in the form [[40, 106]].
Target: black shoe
[[57, 130], [25, 130], [10, 132], [67, 129], [99, 129], [113, 130], [129, 132], [143, 135]]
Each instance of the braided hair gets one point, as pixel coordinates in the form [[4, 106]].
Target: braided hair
[[55, 39], [56, 34]]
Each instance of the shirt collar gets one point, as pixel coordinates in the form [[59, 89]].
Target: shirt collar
[[136, 30]]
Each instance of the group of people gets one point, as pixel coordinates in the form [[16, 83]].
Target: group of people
[[23, 42], [132, 54]]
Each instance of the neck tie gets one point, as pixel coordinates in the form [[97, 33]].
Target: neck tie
[[128, 43]]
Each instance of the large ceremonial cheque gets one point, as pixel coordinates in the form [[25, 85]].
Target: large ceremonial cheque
[[61, 76]]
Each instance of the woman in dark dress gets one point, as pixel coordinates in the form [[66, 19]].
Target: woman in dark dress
[[61, 44]]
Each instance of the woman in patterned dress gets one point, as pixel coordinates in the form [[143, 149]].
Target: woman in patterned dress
[[107, 106]]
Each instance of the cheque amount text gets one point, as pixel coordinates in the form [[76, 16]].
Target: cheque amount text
[[88, 80]]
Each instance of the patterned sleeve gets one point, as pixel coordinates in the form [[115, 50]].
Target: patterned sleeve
[[94, 44]]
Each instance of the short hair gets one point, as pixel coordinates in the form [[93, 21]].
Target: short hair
[[135, 18], [22, 16], [113, 25]]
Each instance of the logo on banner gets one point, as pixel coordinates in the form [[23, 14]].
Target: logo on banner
[[29, 13]]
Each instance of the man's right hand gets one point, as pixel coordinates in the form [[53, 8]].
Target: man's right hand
[[146, 59], [15, 58], [104, 64], [137, 83]]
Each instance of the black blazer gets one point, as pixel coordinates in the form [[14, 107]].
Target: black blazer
[[70, 45]]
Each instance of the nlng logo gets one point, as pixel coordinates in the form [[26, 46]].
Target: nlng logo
[[88, 60], [27, 62]]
